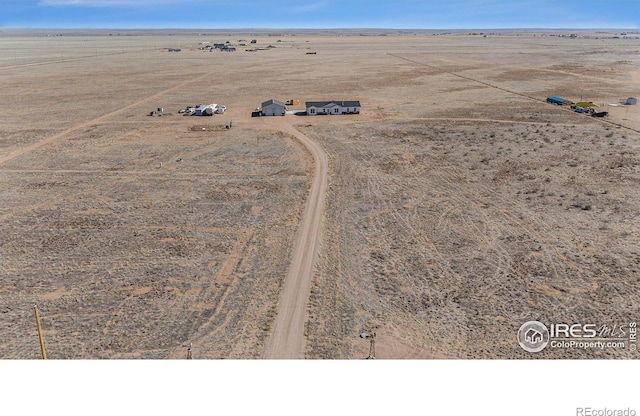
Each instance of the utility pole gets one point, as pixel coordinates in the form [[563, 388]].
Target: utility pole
[[372, 347], [189, 357], [40, 335]]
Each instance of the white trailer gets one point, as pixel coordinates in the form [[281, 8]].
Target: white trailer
[[206, 110]]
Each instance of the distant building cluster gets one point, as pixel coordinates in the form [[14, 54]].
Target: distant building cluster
[[222, 47]]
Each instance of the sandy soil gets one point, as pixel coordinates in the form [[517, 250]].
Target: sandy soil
[[459, 204]]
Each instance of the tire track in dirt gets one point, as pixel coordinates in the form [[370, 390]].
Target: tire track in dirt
[[490, 85], [483, 63], [474, 198], [287, 340], [483, 120], [158, 173], [79, 58], [228, 279], [62, 134], [455, 74]]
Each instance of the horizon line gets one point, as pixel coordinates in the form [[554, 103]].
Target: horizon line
[[318, 28]]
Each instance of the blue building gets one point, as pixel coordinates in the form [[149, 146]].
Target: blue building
[[556, 100]]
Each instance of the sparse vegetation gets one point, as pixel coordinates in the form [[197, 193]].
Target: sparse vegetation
[[460, 205]]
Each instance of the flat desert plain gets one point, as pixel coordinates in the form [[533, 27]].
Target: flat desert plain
[[455, 207]]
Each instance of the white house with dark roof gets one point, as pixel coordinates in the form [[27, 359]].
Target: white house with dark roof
[[315, 108], [273, 108]]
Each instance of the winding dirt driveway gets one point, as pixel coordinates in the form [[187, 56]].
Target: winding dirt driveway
[[287, 340]]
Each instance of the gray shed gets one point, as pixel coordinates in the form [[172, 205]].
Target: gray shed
[[631, 101], [273, 108]]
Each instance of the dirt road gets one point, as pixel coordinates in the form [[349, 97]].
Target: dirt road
[[287, 341]]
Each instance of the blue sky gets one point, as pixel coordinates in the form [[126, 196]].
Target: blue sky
[[214, 14]]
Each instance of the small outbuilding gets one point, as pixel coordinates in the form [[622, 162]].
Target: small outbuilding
[[556, 100], [586, 104], [631, 101], [273, 108]]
